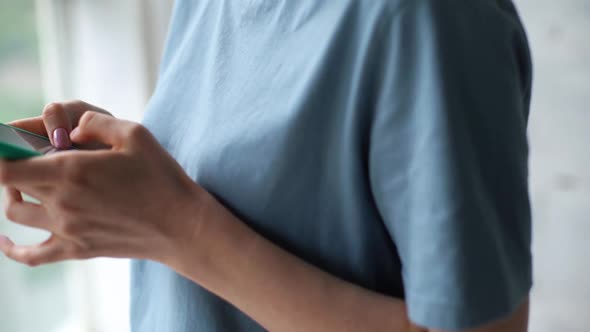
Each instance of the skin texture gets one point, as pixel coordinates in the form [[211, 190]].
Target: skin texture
[[100, 203]]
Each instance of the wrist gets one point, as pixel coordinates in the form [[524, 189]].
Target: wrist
[[185, 241]]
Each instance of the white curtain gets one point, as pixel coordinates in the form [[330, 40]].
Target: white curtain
[[106, 53]]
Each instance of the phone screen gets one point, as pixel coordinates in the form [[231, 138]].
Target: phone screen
[[24, 140]]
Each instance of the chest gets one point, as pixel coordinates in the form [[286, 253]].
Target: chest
[[249, 92]]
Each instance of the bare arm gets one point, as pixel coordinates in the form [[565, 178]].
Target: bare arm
[[275, 288], [282, 292]]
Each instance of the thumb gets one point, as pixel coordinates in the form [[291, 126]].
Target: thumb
[[102, 128]]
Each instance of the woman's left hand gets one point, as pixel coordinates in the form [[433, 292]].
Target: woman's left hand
[[132, 200]]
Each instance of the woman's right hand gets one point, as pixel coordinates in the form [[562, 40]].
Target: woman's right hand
[[57, 121]]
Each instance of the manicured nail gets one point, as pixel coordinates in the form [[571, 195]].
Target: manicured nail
[[61, 140]]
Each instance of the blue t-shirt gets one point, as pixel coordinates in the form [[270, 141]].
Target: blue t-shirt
[[383, 141]]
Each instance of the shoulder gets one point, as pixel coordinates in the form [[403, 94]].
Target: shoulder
[[469, 15], [444, 6], [493, 19], [481, 32]]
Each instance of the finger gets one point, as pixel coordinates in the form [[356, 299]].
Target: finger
[[40, 193], [76, 108], [50, 251], [12, 194], [58, 125], [105, 129], [33, 171], [16, 194], [34, 125], [28, 214], [57, 128]]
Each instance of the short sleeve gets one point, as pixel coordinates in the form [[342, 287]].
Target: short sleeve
[[448, 159]]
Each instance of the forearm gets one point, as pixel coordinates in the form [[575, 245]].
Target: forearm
[[277, 289]]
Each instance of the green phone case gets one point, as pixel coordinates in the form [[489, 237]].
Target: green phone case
[[12, 152]]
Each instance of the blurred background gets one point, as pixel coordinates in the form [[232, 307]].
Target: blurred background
[[21, 95], [106, 52]]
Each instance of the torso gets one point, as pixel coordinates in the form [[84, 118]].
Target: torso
[[268, 105]]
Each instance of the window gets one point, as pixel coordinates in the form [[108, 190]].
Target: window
[[20, 76], [72, 53], [24, 292]]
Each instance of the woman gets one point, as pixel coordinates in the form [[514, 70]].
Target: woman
[[307, 166]]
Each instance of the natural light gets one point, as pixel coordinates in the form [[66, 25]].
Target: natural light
[[60, 50], [107, 53]]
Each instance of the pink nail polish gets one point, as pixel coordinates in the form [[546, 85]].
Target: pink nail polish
[[61, 139]]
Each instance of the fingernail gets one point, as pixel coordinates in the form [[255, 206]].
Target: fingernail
[[61, 140]]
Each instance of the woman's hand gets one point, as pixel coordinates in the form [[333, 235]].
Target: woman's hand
[[57, 121], [132, 200]]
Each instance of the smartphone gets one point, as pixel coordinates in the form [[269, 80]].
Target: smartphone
[[17, 144]]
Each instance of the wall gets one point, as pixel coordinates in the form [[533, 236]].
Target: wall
[[559, 33]]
